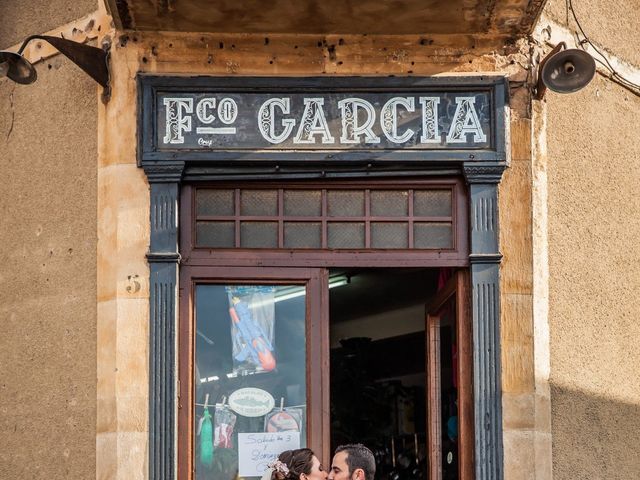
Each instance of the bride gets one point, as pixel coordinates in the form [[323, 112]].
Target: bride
[[300, 464]]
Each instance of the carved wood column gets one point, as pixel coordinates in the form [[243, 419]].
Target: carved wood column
[[163, 257], [483, 179]]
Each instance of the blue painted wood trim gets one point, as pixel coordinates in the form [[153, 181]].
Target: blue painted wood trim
[[485, 260], [163, 258]]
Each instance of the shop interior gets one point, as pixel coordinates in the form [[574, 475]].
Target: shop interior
[[378, 370]]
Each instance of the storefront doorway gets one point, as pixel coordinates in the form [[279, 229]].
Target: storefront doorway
[[317, 315], [319, 357]]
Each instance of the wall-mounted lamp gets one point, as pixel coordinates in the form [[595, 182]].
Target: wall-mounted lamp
[[90, 59], [564, 70]]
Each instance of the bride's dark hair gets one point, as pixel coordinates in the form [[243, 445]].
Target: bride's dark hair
[[298, 461]]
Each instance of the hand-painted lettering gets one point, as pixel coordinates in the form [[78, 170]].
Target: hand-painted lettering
[[378, 121]]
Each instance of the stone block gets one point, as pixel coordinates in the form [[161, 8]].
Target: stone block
[[518, 411], [132, 456], [515, 229], [106, 456], [521, 140], [519, 455]]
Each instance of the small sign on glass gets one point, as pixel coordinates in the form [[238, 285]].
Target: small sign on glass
[[257, 450]]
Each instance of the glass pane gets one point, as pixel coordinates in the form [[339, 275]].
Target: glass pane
[[302, 235], [389, 203], [449, 391], [432, 235], [215, 234], [259, 235], [259, 202], [389, 235], [345, 235], [432, 203], [215, 202], [250, 359], [303, 203], [345, 203]]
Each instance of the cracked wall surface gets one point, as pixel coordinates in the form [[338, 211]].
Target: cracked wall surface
[[594, 286], [48, 140], [612, 25], [594, 258], [19, 19]]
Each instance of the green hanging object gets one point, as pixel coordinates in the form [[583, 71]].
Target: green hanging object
[[206, 439]]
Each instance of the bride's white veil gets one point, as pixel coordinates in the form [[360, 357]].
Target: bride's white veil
[[267, 474]]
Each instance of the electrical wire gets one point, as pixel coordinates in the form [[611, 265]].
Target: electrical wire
[[606, 64]]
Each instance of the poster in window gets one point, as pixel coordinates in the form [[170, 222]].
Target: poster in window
[[252, 314]]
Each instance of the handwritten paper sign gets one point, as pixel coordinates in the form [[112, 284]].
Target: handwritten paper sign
[[257, 450]]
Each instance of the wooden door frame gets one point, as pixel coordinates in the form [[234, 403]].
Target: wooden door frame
[[164, 258], [457, 287], [317, 353], [266, 263]]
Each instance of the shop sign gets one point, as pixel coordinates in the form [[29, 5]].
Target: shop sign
[[251, 402], [328, 121], [331, 119]]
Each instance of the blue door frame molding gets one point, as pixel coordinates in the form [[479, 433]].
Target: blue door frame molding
[[476, 149]]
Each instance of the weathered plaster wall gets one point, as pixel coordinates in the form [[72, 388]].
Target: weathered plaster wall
[[19, 19], [594, 266], [612, 25], [592, 170], [48, 140]]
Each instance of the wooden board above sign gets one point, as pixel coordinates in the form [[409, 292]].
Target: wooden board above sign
[[321, 119]]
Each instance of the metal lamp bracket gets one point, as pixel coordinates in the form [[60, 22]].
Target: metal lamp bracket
[[92, 60]]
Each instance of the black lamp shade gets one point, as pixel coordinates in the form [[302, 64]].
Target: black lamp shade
[[17, 68], [568, 71]]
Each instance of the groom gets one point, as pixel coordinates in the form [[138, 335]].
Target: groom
[[352, 462]]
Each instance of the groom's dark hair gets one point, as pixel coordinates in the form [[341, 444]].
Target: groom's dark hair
[[359, 456]]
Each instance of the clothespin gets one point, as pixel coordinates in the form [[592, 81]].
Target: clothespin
[[281, 403], [206, 403], [393, 452], [224, 400]]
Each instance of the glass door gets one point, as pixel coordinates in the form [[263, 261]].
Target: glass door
[[256, 376], [449, 350], [254, 368]]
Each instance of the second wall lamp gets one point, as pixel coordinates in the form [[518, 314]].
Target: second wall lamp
[[564, 70]]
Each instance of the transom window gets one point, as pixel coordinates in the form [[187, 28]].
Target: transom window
[[326, 218]]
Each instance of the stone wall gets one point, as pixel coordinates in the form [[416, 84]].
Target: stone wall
[[123, 225]]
